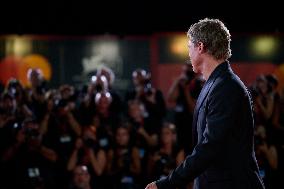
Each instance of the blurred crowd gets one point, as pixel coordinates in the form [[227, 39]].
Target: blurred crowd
[[94, 137]]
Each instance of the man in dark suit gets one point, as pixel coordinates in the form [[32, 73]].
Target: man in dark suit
[[223, 125]]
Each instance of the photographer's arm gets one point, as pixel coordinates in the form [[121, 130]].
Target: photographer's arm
[[152, 140], [10, 152], [135, 165], [13, 149], [71, 164], [270, 152], [268, 109], [173, 92], [48, 153], [44, 124], [189, 100], [72, 160], [4, 119], [272, 157], [26, 110], [74, 123], [98, 161], [109, 165]]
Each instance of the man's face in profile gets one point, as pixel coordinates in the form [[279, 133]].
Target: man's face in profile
[[194, 57]]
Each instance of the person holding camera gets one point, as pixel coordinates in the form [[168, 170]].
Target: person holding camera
[[36, 92], [169, 153], [87, 151], [183, 95], [30, 163], [267, 157], [16, 89], [125, 165], [116, 105], [144, 132], [89, 106], [151, 97]]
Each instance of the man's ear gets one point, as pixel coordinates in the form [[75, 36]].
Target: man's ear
[[201, 47]]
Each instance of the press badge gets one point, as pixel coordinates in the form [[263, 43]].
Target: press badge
[[65, 139], [103, 142], [127, 180]]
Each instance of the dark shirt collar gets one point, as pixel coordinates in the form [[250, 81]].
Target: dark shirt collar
[[220, 68]]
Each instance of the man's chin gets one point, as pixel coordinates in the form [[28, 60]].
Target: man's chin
[[194, 70]]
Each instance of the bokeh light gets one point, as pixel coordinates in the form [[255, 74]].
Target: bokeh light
[[17, 67], [19, 46], [264, 46], [34, 61], [178, 46]]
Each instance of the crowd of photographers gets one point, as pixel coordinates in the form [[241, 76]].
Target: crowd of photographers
[[94, 137]]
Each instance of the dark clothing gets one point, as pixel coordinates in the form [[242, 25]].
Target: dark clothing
[[183, 120], [223, 127], [166, 163], [154, 111], [121, 174], [29, 169]]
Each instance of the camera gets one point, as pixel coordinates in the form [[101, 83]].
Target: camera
[[61, 103], [148, 90], [13, 87], [32, 133], [99, 82]]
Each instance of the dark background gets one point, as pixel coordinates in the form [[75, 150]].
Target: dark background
[[135, 17]]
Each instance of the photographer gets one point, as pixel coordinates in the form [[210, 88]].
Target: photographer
[[169, 154], [267, 157], [151, 97], [9, 119], [29, 162], [124, 161], [181, 89], [264, 101], [144, 132], [87, 151], [116, 105], [36, 92], [8, 107], [15, 88], [88, 107], [183, 95], [60, 128]]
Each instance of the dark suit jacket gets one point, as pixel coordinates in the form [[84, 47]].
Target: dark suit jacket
[[223, 125]]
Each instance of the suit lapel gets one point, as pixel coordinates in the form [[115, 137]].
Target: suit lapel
[[202, 96]]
